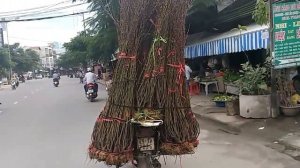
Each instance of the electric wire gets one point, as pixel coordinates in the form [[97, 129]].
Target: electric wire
[[50, 10], [43, 18], [36, 8]]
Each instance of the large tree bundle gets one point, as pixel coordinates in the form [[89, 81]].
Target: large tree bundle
[[112, 135], [149, 78], [163, 86]]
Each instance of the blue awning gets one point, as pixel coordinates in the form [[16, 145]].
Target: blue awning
[[256, 37]]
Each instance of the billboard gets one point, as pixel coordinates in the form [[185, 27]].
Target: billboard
[[286, 34]]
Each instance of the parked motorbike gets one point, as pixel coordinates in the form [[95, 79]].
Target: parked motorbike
[[146, 144], [22, 79], [91, 93], [56, 82]]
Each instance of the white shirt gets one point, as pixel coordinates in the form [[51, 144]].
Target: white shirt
[[188, 72], [55, 76], [90, 78]]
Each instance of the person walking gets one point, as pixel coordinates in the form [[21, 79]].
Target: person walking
[[188, 72]]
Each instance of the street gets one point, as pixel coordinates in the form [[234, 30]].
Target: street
[[46, 127]]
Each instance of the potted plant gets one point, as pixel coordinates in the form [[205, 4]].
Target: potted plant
[[255, 98], [288, 96], [221, 100], [230, 77]]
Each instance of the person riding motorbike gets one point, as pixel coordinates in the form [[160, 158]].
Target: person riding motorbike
[[80, 74], [89, 78], [14, 81], [55, 76]]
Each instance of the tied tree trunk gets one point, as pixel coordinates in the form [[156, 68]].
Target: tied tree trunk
[[163, 85], [113, 135], [150, 76]]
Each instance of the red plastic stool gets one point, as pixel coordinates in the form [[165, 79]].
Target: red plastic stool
[[194, 88]]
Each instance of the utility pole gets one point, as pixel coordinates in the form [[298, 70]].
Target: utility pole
[[274, 100], [9, 54], [84, 25]]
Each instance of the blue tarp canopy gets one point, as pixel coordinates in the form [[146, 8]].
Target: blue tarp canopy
[[255, 37]]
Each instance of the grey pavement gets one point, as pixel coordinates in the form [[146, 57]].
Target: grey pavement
[[46, 127]]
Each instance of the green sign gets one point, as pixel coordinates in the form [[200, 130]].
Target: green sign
[[286, 34]]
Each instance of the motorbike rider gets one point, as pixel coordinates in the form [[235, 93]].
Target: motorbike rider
[[15, 80], [80, 74], [55, 76], [90, 77]]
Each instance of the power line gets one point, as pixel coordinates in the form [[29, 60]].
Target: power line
[[43, 18], [41, 12], [36, 8], [48, 11], [21, 38]]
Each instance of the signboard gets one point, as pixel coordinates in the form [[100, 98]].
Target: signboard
[[286, 34]]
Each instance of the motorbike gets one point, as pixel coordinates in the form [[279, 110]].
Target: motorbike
[[22, 79], [56, 82], [146, 144], [91, 93]]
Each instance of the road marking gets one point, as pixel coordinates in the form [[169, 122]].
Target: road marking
[[16, 103], [25, 97]]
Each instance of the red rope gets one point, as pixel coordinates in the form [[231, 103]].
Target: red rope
[[123, 55], [180, 79], [119, 120]]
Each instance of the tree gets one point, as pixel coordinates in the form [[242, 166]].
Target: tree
[[23, 60], [4, 61], [76, 52]]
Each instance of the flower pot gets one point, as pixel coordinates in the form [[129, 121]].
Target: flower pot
[[290, 111], [255, 106], [220, 103], [232, 107]]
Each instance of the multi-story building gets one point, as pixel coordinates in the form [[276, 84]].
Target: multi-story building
[[47, 56]]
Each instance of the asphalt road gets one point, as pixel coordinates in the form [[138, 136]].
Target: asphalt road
[[46, 127]]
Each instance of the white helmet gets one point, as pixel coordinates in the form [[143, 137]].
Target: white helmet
[[89, 69]]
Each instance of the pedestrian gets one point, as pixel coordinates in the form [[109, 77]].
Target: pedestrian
[[188, 72]]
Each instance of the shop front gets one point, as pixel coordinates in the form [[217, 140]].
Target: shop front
[[220, 61]]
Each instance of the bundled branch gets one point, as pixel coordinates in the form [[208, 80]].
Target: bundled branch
[[163, 80], [148, 83], [113, 135]]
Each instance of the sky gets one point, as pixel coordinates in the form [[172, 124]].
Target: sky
[[40, 33]]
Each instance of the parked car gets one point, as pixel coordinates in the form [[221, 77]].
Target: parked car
[[39, 76], [4, 81]]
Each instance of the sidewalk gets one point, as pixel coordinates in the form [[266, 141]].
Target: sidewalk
[[204, 107], [281, 134], [3, 87]]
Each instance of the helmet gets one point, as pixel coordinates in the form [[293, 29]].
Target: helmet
[[89, 69]]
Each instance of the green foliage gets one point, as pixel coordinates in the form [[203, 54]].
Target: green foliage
[[224, 98], [261, 13], [253, 80], [21, 60], [4, 61], [231, 76]]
